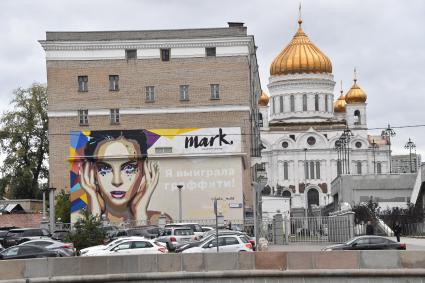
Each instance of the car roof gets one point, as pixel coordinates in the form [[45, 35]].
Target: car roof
[[23, 229], [178, 227]]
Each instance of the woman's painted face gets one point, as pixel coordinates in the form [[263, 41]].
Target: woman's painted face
[[118, 179]]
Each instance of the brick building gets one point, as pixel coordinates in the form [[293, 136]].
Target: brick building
[[174, 84]]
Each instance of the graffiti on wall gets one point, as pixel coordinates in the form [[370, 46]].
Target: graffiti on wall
[[111, 173]]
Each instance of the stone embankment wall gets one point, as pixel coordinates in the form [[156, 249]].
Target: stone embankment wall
[[336, 266]]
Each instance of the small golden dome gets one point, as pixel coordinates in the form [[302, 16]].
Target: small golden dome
[[355, 94], [339, 104], [263, 100], [300, 56]]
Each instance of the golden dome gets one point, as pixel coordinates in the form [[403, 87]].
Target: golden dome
[[339, 104], [264, 99], [300, 56], [355, 94]]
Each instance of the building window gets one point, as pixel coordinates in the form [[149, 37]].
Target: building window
[[359, 167], [83, 83], [358, 144], [114, 82], [160, 150], [311, 140], [317, 170], [316, 102], [115, 116], [150, 94], [285, 170], [281, 104], [379, 168], [306, 169], [165, 54], [131, 54], [326, 103], [274, 105], [184, 92], [215, 91], [285, 144], [83, 115], [292, 100], [311, 169], [210, 51], [338, 168], [357, 120], [304, 102]]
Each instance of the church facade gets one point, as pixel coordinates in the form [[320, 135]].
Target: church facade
[[308, 137]]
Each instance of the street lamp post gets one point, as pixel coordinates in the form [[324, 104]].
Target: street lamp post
[[180, 202], [374, 147], [387, 134], [52, 219], [305, 183], [410, 145]]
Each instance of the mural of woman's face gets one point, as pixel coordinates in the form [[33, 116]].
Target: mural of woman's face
[[118, 179]]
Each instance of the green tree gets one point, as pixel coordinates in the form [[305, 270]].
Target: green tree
[[87, 232], [24, 142], [63, 207]]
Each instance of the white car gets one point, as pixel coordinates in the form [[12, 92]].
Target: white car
[[88, 251], [197, 229], [132, 247], [226, 243]]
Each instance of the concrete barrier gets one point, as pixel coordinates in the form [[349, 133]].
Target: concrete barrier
[[222, 265]]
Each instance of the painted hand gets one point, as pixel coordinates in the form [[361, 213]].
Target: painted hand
[[96, 202], [139, 205]]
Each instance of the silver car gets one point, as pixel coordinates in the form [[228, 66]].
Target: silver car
[[63, 249], [177, 234]]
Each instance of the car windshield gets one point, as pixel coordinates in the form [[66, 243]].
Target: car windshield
[[15, 232], [352, 241]]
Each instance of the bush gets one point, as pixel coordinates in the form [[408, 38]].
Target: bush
[[87, 232]]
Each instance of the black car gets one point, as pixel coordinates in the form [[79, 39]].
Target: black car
[[368, 243], [29, 251], [18, 236]]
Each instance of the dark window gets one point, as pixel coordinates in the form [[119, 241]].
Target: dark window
[[378, 168], [358, 144], [316, 102], [311, 140], [292, 101], [83, 83], [375, 241], [292, 137], [115, 116], [131, 54], [184, 92], [285, 170], [215, 91], [281, 104], [304, 102], [318, 170], [285, 144], [26, 250], [231, 241], [357, 120], [149, 94], [359, 167], [114, 82], [338, 167], [326, 103], [165, 54], [210, 51], [141, 245], [34, 232], [83, 116], [286, 194], [311, 169], [312, 197]]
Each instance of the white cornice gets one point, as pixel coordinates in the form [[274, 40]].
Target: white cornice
[[145, 44], [141, 111]]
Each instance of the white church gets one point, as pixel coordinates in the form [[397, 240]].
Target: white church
[[302, 128]]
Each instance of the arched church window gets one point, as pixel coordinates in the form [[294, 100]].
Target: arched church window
[[326, 103], [312, 197], [359, 167], [304, 102], [316, 102], [379, 168], [285, 170], [274, 105], [281, 104], [318, 170], [292, 100], [286, 194], [357, 120]]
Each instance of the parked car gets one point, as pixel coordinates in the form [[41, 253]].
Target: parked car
[[177, 234], [197, 229], [60, 235], [368, 243], [226, 243], [93, 249], [148, 231], [63, 249], [20, 235], [232, 232], [133, 247], [206, 228], [29, 251], [1, 248]]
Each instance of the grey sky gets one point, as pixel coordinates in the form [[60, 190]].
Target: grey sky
[[384, 39]]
